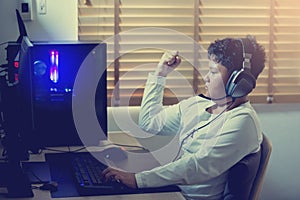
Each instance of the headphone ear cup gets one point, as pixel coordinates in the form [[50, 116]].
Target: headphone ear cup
[[230, 85], [241, 83]]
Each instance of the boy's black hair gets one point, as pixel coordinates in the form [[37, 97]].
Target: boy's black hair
[[229, 53]]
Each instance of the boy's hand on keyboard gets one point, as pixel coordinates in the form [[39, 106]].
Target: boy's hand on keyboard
[[120, 176]]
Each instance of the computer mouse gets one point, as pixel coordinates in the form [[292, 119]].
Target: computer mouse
[[115, 153], [51, 186]]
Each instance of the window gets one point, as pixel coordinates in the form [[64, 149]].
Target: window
[[138, 32]]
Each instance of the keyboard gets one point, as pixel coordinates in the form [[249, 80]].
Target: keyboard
[[88, 179], [87, 174]]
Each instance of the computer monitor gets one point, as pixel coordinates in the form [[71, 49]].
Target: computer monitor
[[21, 26], [47, 73], [24, 120], [12, 50]]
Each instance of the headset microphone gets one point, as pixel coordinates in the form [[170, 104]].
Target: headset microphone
[[221, 98]]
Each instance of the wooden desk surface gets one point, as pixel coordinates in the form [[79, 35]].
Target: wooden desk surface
[[117, 138]]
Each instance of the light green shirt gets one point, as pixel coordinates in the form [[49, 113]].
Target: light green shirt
[[206, 155]]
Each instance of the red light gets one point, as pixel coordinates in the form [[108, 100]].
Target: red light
[[16, 77], [16, 64]]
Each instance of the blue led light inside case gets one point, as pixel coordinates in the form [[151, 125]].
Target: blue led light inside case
[[54, 73]]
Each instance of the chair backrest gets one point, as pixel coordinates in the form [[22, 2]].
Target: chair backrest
[[266, 149], [245, 179]]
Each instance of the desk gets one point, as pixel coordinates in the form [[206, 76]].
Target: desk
[[43, 195], [117, 138]]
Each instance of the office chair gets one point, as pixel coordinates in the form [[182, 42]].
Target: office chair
[[266, 149], [245, 179]]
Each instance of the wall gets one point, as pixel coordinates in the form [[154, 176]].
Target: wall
[[59, 23], [281, 124]]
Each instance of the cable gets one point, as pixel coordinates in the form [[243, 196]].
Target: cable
[[39, 151], [134, 146], [64, 151], [197, 129], [4, 153], [34, 187], [3, 43], [3, 70], [79, 149]]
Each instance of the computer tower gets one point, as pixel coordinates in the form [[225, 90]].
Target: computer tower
[[47, 74], [12, 57]]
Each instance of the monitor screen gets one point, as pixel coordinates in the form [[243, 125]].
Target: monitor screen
[[47, 73]]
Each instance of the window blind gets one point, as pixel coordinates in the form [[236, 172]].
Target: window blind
[[138, 32], [235, 18], [285, 82]]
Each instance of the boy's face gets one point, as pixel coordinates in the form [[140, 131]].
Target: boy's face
[[216, 79]]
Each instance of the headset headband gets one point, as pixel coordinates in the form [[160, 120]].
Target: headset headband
[[246, 54]]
